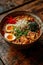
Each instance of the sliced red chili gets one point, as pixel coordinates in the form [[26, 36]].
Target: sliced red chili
[[11, 20]]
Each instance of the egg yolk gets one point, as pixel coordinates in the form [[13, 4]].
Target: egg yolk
[[10, 37], [9, 27]]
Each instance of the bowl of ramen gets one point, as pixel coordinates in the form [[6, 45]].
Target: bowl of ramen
[[21, 28]]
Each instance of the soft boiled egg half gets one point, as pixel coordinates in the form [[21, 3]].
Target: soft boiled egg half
[[9, 36], [9, 27]]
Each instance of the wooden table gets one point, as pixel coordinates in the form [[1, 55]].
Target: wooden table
[[32, 56]]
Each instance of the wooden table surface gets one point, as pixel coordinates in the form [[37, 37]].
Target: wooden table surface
[[31, 56]]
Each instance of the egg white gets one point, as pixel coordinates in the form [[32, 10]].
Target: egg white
[[13, 37], [7, 26]]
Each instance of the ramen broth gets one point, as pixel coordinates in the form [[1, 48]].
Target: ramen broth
[[21, 29]]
